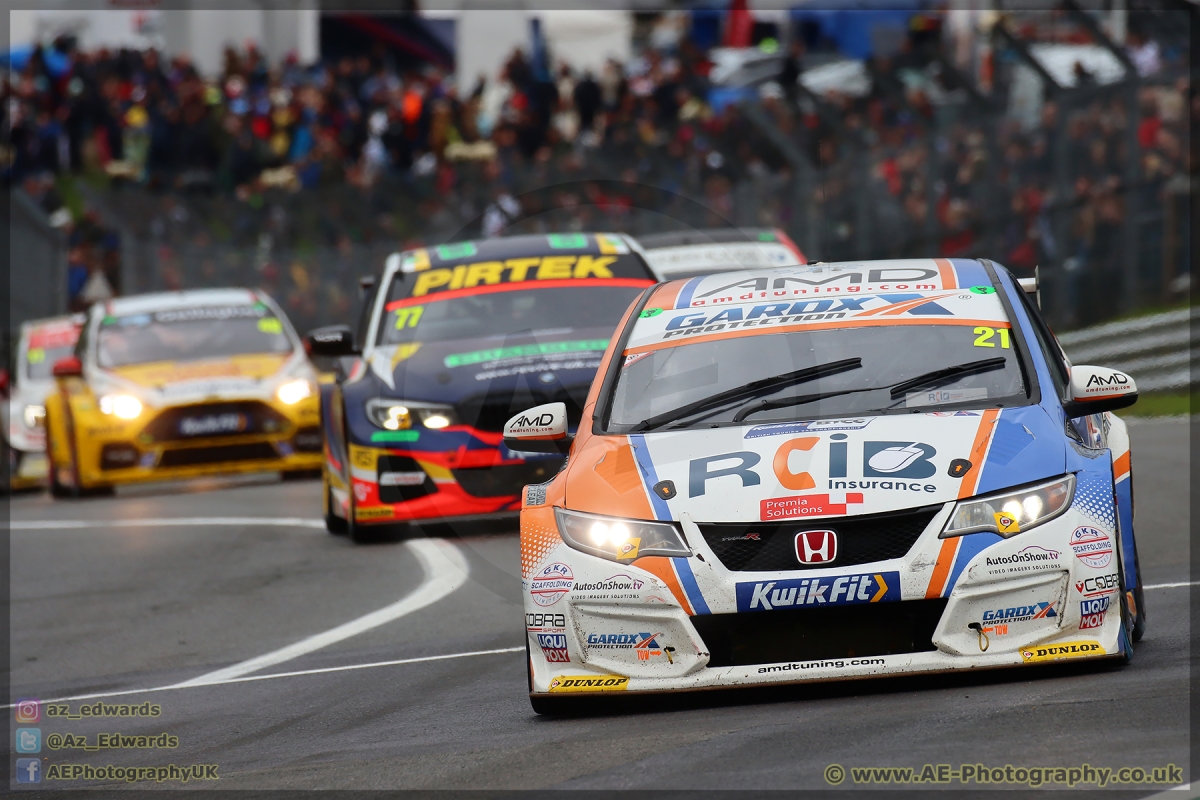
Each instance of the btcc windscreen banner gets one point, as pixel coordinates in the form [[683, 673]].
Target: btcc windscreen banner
[[503, 264], [824, 280], [772, 310]]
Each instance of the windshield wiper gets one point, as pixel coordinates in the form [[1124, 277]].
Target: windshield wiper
[[748, 391], [897, 389], [941, 375]]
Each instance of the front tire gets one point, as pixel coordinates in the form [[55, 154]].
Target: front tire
[[333, 523], [57, 489]]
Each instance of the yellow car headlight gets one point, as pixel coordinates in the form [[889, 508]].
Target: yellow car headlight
[[125, 406], [293, 392]]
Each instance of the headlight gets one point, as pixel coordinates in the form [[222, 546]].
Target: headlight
[[125, 406], [293, 392], [620, 540], [1013, 511], [35, 415], [397, 415]]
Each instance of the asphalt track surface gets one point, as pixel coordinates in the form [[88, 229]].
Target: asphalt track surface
[[119, 597]]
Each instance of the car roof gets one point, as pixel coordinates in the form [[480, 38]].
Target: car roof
[[500, 248], [707, 236], [167, 301]]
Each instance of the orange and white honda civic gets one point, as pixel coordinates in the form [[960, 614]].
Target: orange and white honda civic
[[829, 472]]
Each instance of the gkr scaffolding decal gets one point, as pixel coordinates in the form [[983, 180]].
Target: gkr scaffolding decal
[[548, 586], [836, 590], [1092, 546]]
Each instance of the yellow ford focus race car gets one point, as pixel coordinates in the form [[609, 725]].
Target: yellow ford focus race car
[[180, 385]]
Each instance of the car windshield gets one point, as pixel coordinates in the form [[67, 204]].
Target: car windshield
[[504, 312], [39, 361], [190, 334], [958, 367]]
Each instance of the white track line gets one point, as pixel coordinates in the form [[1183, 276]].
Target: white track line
[[445, 572], [1171, 585], [274, 675], [55, 524]]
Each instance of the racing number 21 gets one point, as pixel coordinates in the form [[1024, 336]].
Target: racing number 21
[[983, 337]]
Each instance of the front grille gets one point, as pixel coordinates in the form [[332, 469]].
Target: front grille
[[118, 456], [399, 494], [215, 420], [193, 456], [307, 440], [507, 480], [861, 539], [489, 412], [815, 634]]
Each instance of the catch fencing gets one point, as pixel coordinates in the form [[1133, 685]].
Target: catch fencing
[[1158, 350]]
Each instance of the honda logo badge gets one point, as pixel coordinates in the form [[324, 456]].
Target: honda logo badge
[[816, 547]]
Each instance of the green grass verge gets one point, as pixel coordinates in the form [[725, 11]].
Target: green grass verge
[[1162, 404]]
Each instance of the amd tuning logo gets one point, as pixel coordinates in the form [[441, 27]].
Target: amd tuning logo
[[816, 547]]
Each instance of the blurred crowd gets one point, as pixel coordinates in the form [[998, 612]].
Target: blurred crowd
[[258, 165]]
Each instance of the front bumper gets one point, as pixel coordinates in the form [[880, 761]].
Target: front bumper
[[400, 485], [661, 624], [111, 452]]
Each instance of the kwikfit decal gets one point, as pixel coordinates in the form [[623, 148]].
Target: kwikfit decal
[[830, 590]]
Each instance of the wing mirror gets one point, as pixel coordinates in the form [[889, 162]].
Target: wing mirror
[[332, 340], [1095, 390], [69, 367], [541, 429]]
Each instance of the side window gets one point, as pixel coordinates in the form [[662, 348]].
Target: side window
[[364, 317], [1059, 370], [81, 344]]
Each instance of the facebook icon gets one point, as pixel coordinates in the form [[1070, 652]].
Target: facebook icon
[[29, 770]]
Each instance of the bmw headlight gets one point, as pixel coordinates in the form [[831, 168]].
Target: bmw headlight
[[1012, 511], [398, 415], [293, 392], [34, 415], [617, 539], [125, 406]]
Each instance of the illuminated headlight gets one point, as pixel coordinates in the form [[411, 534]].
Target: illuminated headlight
[[619, 539], [125, 406], [437, 417], [35, 416], [293, 392], [1013, 511], [397, 415], [391, 415]]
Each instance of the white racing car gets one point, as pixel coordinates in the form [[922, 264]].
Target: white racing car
[[829, 472]]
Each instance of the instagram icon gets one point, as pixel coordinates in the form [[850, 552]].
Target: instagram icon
[[28, 711]]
